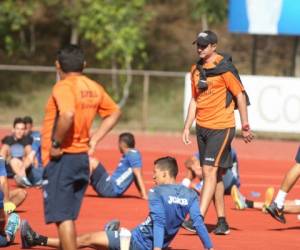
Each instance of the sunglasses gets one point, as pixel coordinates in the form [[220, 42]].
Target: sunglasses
[[202, 47]]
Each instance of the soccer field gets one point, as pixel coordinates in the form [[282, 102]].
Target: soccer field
[[262, 164]]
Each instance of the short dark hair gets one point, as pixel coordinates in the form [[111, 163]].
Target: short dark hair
[[169, 164], [18, 120], [71, 58], [128, 139], [27, 120]]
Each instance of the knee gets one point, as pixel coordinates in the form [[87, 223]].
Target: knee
[[84, 240], [209, 171]]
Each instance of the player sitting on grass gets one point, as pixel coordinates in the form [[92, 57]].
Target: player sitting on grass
[[11, 198], [15, 151], [8, 228], [193, 170], [241, 202], [128, 171], [169, 203]]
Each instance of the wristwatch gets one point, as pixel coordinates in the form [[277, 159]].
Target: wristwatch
[[56, 144]]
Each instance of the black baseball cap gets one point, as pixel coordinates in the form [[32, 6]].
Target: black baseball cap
[[205, 38]]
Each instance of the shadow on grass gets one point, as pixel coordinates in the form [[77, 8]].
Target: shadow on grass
[[211, 228], [126, 196], [285, 228]]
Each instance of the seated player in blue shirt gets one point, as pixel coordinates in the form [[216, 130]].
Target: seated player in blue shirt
[[127, 171], [230, 179], [193, 170], [16, 150], [169, 203]]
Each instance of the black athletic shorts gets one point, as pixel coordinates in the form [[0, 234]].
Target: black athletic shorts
[[215, 146], [298, 156], [64, 184]]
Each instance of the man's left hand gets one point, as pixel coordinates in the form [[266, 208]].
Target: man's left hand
[[247, 133], [55, 153]]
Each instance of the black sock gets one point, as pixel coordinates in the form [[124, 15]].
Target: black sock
[[41, 240], [221, 219], [249, 203]]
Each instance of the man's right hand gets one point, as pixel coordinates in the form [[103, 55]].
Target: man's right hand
[[186, 137]]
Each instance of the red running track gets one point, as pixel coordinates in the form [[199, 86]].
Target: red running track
[[262, 163]]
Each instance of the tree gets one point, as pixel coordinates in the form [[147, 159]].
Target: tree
[[210, 12], [14, 18], [116, 28]]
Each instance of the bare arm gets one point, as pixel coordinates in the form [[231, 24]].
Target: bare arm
[[189, 121], [106, 125], [4, 151], [140, 182], [242, 106]]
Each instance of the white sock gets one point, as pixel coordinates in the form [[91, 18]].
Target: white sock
[[280, 199], [186, 182]]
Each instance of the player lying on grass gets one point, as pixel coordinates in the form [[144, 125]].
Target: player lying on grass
[[276, 209], [127, 172], [169, 203], [194, 171], [9, 227], [241, 202]]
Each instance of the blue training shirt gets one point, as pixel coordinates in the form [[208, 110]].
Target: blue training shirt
[[123, 175], [169, 205], [36, 145]]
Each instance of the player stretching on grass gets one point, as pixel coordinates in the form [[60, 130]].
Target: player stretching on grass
[[216, 90], [66, 141], [169, 203], [128, 171], [241, 202], [276, 209]]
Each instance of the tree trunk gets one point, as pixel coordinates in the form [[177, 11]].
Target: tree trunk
[[32, 39], [204, 22], [126, 89], [296, 62], [74, 35], [114, 78]]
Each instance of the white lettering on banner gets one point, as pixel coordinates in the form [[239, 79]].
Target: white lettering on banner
[[275, 103], [292, 101], [124, 176]]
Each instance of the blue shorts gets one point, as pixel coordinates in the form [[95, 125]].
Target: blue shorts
[[1, 200], [101, 182], [64, 184], [34, 174], [297, 158], [114, 241]]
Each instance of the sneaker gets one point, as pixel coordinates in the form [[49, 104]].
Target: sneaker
[[188, 225], [28, 236], [268, 198], [276, 213], [113, 225], [22, 181], [12, 225], [238, 198], [222, 228]]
